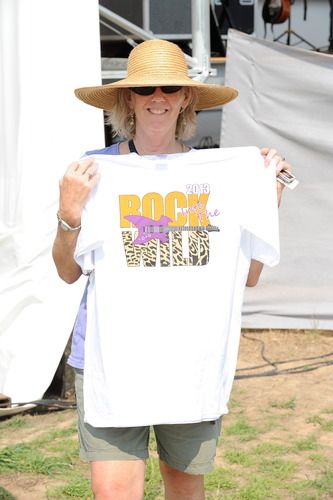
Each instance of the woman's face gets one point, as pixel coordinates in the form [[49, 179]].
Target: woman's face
[[158, 111]]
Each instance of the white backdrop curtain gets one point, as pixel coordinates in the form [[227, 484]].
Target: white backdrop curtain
[[46, 50], [285, 101]]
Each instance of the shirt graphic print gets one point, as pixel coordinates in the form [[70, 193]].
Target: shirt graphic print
[[159, 240]]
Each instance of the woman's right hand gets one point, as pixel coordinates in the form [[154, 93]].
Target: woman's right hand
[[75, 187]]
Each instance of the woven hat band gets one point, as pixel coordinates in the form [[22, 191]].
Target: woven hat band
[[141, 78]]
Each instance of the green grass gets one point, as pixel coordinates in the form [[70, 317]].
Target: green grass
[[78, 487], [290, 404], [258, 488], [17, 422], [54, 435], [234, 403], [153, 483], [242, 430], [325, 482], [318, 458], [277, 467], [238, 457], [220, 480], [5, 495], [152, 441], [325, 425], [320, 488], [51, 453], [269, 448], [26, 458], [305, 444], [315, 419]]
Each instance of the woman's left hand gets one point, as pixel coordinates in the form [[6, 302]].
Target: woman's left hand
[[280, 164]]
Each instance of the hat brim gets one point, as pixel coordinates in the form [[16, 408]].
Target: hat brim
[[209, 95]]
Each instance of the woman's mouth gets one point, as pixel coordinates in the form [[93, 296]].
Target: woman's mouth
[[157, 111]]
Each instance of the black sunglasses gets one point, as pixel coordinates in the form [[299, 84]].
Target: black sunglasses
[[166, 89]]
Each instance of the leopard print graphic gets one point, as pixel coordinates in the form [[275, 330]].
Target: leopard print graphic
[[148, 253], [198, 248], [165, 254], [177, 249]]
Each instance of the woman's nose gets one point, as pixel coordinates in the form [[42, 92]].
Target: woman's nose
[[158, 94]]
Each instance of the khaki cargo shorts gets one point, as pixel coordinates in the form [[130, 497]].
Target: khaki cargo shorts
[[189, 448]]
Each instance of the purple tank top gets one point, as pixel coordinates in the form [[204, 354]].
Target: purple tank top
[[76, 358]]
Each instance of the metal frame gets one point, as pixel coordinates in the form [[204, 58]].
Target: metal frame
[[199, 63]]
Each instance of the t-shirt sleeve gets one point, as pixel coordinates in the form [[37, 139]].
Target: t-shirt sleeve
[[265, 250], [258, 213], [90, 238]]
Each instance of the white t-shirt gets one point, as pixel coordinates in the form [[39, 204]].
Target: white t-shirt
[[168, 240]]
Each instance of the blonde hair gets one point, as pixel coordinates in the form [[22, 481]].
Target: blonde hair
[[122, 120]]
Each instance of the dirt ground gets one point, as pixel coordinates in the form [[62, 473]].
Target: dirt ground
[[311, 390], [302, 396]]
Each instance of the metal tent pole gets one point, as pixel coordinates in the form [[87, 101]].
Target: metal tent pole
[[146, 15], [201, 37]]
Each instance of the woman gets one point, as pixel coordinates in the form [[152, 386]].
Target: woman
[[154, 109]]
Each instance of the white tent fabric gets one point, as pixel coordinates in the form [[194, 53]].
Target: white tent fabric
[[285, 101], [47, 49]]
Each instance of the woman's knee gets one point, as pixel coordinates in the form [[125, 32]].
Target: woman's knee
[[180, 484], [118, 479]]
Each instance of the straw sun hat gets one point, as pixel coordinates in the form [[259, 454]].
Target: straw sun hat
[[156, 63]]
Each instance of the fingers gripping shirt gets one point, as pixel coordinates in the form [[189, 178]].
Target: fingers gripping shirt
[[168, 241]]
